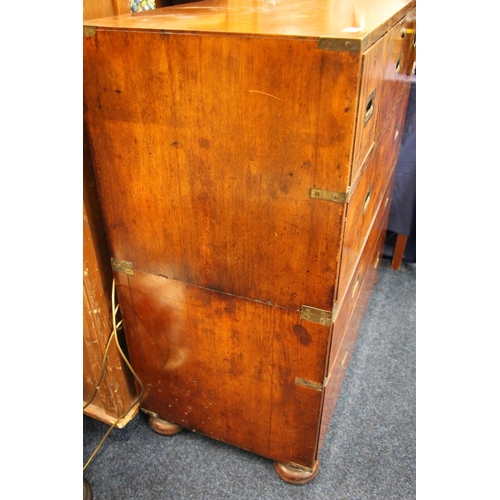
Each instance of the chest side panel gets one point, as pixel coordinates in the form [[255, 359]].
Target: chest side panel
[[245, 373], [206, 149]]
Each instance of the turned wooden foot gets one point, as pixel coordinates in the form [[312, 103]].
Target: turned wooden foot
[[296, 475], [163, 427]]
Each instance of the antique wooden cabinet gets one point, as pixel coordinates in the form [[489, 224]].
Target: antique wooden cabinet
[[244, 153]]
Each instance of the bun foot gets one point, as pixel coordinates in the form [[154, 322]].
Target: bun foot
[[164, 427], [87, 490], [296, 474]]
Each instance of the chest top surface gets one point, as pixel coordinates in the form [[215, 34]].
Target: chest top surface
[[361, 21]]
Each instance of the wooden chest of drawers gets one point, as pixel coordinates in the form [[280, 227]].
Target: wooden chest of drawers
[[244, 153]]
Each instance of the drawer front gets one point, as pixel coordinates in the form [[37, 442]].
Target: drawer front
[[348, 303], [399, 63], [350, 315], [366, 199], [368, 105], [409, 52]]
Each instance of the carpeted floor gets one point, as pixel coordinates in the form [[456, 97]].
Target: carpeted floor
[[369, 452]]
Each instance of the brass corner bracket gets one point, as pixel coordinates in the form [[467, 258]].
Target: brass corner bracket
[[89, 31], [307, 383], [324, 194], [315, 315], [349, 44], [122, 266]]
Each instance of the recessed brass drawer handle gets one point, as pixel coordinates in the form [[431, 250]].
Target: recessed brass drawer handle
[[398, 64], [370, 106], [367, 198]]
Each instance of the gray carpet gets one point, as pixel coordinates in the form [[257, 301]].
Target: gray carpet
[[369, 451]]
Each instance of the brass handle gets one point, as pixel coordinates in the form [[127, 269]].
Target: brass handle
[[403, 32], [398, 64], [370, 106], [367, 199]]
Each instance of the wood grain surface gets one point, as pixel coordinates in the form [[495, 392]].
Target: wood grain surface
[[209, 125]]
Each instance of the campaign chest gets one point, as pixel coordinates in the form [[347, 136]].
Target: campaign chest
[[244, 154]]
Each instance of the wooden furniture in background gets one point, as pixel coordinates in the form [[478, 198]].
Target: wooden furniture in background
[[118, 391], [402, 219], [102, 8], [245, 158], [399, 250]]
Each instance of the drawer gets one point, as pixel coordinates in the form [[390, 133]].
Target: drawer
[[368, 105], [348, 302], [366, 198], [398, 68], [409, 51], [350, 315]]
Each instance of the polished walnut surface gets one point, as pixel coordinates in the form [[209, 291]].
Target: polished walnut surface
[[344, 19]]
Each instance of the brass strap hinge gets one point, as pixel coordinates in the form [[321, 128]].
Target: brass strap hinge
[[315, 315], [323, 194], [122, 266], [89, 31]]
